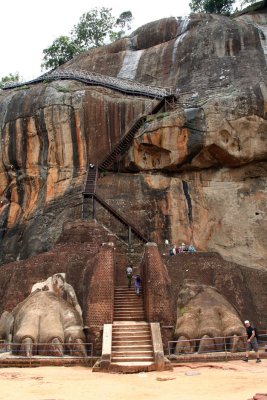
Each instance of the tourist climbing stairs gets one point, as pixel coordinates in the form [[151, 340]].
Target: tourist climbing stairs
[[132, 348]]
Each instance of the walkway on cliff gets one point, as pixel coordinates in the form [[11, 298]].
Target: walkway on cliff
[[95, 79]]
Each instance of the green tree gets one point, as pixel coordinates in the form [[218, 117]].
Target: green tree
[[9, 78], [62, 49], [123, 22], [212, 6], [93, 28], [248, 3]]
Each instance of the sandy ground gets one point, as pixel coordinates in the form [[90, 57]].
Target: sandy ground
[[214, 381]]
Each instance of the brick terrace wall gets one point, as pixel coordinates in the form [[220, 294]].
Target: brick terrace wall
[[158, 298], [99, 303], [73, 254]]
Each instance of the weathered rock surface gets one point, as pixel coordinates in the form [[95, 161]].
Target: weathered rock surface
[[202, 165], [45, 323], [204, 314]]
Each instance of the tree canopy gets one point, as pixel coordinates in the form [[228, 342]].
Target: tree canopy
[[9, 78], [93, 29], [62, 49], [212, 6], [224, 7]]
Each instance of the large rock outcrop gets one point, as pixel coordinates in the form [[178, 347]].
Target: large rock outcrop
[[196, 173]]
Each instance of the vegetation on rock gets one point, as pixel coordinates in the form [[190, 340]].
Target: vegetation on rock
[[9, 78], [217, 6], [93, 29]]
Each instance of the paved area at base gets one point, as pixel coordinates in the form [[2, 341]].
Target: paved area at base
[[233, 380]]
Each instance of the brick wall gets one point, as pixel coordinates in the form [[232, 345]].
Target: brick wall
[[98, 308], [158, 297]]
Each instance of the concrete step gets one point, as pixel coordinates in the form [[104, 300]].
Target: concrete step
[[133, 296], [129, 353], [129, 303], [131, 313], [132, 366], [128, 308], [131, 328], [141, 342], [132, 358], [121, 287], [132, 332], [131, 324], [131, 337], [134, 347], [128, 319], [129, 297], [125, 292]]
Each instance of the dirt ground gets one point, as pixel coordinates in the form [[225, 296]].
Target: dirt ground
[[233, 380]]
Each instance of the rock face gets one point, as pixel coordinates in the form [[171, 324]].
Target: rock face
[[195, 173]]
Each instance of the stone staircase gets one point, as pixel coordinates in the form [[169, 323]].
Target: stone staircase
[[127, 305], [132, 348]]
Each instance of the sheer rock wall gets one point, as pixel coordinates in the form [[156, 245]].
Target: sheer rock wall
[[196, 173]]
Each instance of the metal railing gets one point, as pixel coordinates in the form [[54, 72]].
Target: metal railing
[[217, 344], [45, 350], [124, 85]]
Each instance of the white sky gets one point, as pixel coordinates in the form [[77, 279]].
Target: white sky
[[27, 26]]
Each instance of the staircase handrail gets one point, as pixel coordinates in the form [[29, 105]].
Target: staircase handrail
[[120, 218], [124, 137], [96, 176], [141, 115]]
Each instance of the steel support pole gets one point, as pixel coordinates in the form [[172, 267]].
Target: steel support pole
[[129, 235], [93, 199]]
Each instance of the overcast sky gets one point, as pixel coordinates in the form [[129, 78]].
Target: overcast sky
[[27, 26]]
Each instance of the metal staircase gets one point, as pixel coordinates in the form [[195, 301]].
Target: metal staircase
[[122, 146], [110, 160]]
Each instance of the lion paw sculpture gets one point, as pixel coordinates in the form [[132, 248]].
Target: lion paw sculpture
[[48, 322], [206, 321]]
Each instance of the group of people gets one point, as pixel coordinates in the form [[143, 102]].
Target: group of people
[[137, 280], [180, 249]]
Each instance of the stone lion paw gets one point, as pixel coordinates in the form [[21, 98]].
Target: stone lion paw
[[206, 321]]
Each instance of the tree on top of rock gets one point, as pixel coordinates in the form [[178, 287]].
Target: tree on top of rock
[[212, 6], [9, 79], [62, 50], [93, 30]]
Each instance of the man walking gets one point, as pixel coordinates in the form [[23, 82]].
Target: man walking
[[252, 343], [129, 274]]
